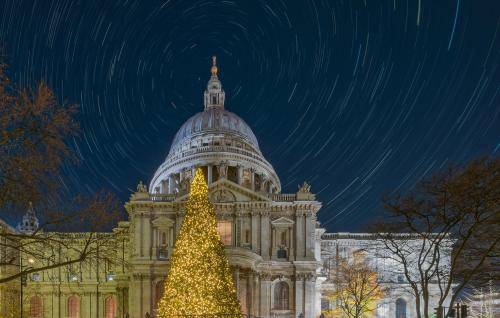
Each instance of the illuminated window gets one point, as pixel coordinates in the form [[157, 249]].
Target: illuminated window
[[164, 238], [110, 276], [281, 293], [73, 277], [225, 229], [73, 307], [110, 307], [36, 307]]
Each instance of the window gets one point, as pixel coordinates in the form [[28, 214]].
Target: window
[[225, 229], [73, 307], [281, 292], [214, 100], [164, 238], [401, 279], [73, 277], [110, 307], [400, 308], [110, 276], [36, 307], [162, 253], [281, 253], [325, 304], [283, 238]]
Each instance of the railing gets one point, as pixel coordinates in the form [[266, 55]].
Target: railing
[[283, 197], [278, 197], [157, 197]]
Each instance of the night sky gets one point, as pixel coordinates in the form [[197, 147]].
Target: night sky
[[360, 98]]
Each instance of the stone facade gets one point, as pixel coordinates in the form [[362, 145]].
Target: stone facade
[[278, 252], [335, 246]]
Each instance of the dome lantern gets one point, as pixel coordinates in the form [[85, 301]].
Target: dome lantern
[[214, 94]]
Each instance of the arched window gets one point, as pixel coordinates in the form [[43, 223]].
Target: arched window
[[73, 307], [110, 307], [281, 292], [400, 308], [36, 307]]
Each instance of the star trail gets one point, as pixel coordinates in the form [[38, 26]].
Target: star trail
[[360, 98]]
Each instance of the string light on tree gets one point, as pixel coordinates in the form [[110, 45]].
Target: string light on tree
[[199, 281]]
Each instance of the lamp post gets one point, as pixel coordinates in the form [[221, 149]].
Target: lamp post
[[23, 281], [460, 311]]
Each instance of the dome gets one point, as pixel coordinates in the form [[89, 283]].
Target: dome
[[214, 120], [221, 144]]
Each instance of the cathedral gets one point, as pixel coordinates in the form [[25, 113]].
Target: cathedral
[[276, 248]]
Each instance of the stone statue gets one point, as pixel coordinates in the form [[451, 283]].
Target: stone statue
[[223, 196], [222, 170], [305, 188], [141, 187]]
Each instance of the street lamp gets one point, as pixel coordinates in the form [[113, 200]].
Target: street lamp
[[23, 280]]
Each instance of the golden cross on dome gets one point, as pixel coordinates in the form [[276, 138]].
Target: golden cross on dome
[[214, 68]]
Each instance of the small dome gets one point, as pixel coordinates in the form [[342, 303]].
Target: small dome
[[213, 120]]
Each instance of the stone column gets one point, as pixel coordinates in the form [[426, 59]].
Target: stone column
[[252, 178], [242, 293], [137, 234], [310, 293], [238, 229], [164, 187], [240, 174], [135, 296], [299, 294], [171, 185], [265, 234], [146, 236], [85, 304], [209, 174], [255, 232], [300, 237], [255, 294], [147, 300], [310, 234], [265, 295]]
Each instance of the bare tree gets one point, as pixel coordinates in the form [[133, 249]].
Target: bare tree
[[358, 291], [451, 223], [483, 302], [34, 129]]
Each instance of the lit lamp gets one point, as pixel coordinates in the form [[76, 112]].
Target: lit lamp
[[110, 277]]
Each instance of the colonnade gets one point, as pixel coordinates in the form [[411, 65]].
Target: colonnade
[[246, 177]]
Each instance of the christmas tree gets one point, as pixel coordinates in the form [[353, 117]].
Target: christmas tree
[[199, 280]]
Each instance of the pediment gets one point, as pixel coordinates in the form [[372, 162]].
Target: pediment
[[282, 221], [225, 191], [162, 221]]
